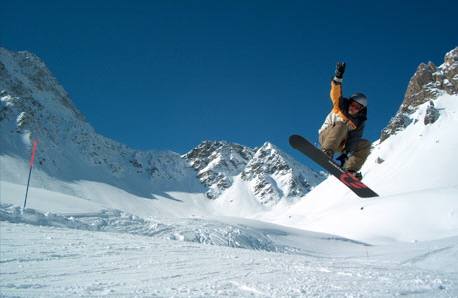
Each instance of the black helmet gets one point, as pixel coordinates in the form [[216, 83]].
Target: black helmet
[[359, 98]]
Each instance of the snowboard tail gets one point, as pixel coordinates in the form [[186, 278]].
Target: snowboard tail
[[303, 145]]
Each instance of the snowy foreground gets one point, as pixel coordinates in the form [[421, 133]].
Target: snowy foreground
[[49, 255]]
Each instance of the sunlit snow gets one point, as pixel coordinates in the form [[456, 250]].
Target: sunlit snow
[[112, 236]]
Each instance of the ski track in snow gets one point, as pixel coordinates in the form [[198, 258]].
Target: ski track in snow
[[48, 255]]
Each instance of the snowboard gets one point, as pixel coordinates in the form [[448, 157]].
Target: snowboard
[[303, 145]]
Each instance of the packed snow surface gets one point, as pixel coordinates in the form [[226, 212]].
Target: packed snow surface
[[48, 261]]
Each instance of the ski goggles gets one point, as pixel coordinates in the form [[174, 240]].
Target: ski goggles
[[356, 106]]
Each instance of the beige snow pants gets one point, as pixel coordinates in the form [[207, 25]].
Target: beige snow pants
[[333, 138]]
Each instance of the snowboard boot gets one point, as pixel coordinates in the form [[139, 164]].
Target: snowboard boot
[[357, 175]]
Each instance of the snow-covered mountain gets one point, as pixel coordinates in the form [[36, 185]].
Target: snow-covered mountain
[[35, 106], [414, 170], [105, 220], [215, 177], [270, 174], [428, 83], [218, 163]]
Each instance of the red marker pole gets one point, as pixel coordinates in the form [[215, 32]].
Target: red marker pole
[[30, 171]]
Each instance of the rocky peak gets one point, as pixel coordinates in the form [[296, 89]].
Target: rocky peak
[[218, 154], [26, 75], [33, 105], [271, 174], [217, 163], [274, 175], [428, 82], [268, 160]]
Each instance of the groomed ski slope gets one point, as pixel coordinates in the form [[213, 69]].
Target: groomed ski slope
[[43, 261]]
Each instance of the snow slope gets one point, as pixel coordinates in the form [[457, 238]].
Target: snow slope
[[43, 261], [115, 244], [33, 105], [415, 172], [126, 223]]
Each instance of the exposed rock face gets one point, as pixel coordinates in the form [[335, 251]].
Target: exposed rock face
[[274, 175], [218, 163], [431, 114], [26, 75], [427, 84], [271, 174]]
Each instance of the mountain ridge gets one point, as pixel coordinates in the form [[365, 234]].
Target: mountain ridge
[[219, 179], [35, 105], [428, 83]]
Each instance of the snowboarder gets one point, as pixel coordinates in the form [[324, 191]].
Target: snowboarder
[[343, 128]]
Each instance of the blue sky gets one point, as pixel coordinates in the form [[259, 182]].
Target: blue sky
[[171, 74]]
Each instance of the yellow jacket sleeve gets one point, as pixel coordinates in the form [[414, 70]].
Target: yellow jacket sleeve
[[336, 94]]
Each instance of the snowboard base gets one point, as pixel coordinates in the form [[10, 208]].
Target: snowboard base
[[359, 188]]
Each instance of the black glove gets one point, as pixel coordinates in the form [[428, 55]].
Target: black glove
[[344, 157], [340, 69]]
